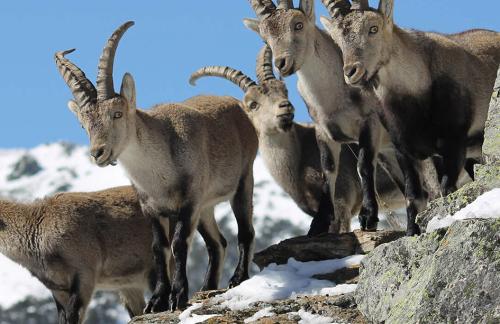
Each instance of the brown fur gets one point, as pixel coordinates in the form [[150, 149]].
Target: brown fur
[[100, 237]]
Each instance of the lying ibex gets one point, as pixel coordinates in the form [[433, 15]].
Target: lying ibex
[[182, 158], [291, 153], [434, 88], [342, 114], [76, 243]]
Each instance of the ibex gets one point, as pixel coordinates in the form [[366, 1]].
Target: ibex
[[434, 89], [342, 114], [291, 153], [77, 243], [182, 158]]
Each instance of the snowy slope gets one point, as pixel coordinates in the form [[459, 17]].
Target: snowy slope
[[66, 167]]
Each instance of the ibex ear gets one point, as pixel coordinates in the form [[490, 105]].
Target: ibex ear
[[73, 107], [127, 90], [326, 22], [386, 8], [307, 7], [252, 24]]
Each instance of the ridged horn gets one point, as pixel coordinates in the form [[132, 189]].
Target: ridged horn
[[285, 4], [360, 4], [262, 8], [265, 64], [105, 88], [235, 76], [335, 7], [83, 90]]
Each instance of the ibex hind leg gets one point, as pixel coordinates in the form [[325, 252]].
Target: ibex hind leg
[[241, 203], [216, 247], [133, 301]]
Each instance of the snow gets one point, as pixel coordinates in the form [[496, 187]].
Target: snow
[[277, 282], [16, 283], [485, 206], [186, 317], [309, 318], [265, 312]]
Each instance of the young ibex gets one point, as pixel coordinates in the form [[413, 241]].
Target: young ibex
[[80, 242], [291, 153], [182, 158], [342, 114], [434, 89]]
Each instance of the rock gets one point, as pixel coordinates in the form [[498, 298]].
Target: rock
[[447, 276], [341, 309], [491, 145], [348, 275], [27, 165], [324, 247]]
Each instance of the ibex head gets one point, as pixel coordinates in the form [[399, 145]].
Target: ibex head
[[364, 36], [266, 103], [286, 30], [107, 117]]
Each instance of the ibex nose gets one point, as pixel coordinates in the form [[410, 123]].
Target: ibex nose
[[97, 152], [354, 72], [280, 63]]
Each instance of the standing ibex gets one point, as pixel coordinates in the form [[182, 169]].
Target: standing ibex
[[342, 114], [79, 242], [434, 88], [182, 158], [291, 153]]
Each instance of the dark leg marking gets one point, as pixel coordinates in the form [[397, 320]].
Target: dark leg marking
[[368, 215], [61, 314], [324, 217], [469, 167], [159, 280], [242, 208], [453, 163], [74, 303], [180, 246], [413, 192], [214, 258]]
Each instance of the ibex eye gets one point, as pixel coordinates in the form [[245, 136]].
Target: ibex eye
[[253, 105], [117, 115], [373, 30], [299, 26]]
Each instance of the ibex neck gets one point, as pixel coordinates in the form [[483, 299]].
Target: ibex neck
[[321, 78], [280, 152]]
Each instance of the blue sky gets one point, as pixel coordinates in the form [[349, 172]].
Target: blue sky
[[170, 40]]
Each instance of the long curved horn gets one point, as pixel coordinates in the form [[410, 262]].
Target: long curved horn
[[83, 90], [285, 4], [335, 7], [265, 64], [262, 8], [235, 76], [105, 88], [360, 4]]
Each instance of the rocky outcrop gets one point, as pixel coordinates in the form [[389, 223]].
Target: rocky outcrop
[[448, 276], [339, 309], [324, 247]]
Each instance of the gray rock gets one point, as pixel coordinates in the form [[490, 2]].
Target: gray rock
[[27, 165], [447, 276], [323, 247]]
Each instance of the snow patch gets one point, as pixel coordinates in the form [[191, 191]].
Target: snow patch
[[186, 317], [309, 318], [277, 282], [485, 206], [265, 312]]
